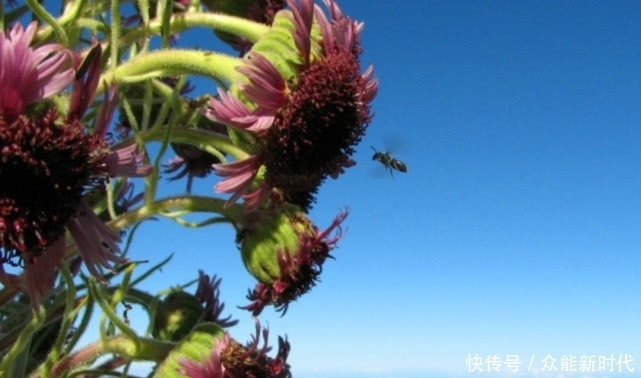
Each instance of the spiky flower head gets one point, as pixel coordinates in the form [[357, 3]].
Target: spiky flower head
[[179, 312], [191, 161], [285, 252], [304, 103], [230, 359], [208, 294], [49, 160]]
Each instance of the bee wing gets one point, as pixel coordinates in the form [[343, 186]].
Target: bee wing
[[393, 144]]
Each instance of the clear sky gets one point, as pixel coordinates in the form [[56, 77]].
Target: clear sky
[[517, 228]]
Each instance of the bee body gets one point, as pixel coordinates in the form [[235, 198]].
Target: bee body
[[389, 162]]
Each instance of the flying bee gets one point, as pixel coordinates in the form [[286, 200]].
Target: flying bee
[[389, 162]]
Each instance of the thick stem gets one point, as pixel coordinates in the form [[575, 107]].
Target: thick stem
[[158, 63], [250, 30], [39, 10], [189, 203], [115, 30], [72, 13], [201, 139], [22, 342], [143, 349]]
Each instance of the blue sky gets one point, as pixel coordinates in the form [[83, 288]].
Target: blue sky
[[517, 228]]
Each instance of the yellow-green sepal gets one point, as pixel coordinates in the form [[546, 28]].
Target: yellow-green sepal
[[278, 230], [197, 346]]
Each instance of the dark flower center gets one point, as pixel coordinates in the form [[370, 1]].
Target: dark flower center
[[197, 162], [240, 362], [301, 275], [314, 135], [44, 168], [236, 360]]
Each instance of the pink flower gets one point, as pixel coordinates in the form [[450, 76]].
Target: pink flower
[[48, 163], [30, 74], [240, 176], [210, 366], [306, 126], [236, 114], [97, 244]]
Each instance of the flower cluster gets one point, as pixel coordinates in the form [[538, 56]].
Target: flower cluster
[[92, 100]]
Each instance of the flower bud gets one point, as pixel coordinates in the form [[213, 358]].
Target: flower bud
[[273, 230], [176, 316], [285, 252], [208, 352], [191, 161]]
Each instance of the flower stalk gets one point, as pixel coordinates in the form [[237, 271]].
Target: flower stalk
[[219, 67], [142, 349], [179, 204], [23, 341], [239, 26]]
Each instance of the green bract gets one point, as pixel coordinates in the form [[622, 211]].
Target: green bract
[[276, 231], [279, 48], [197, 347], [177, 315]]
